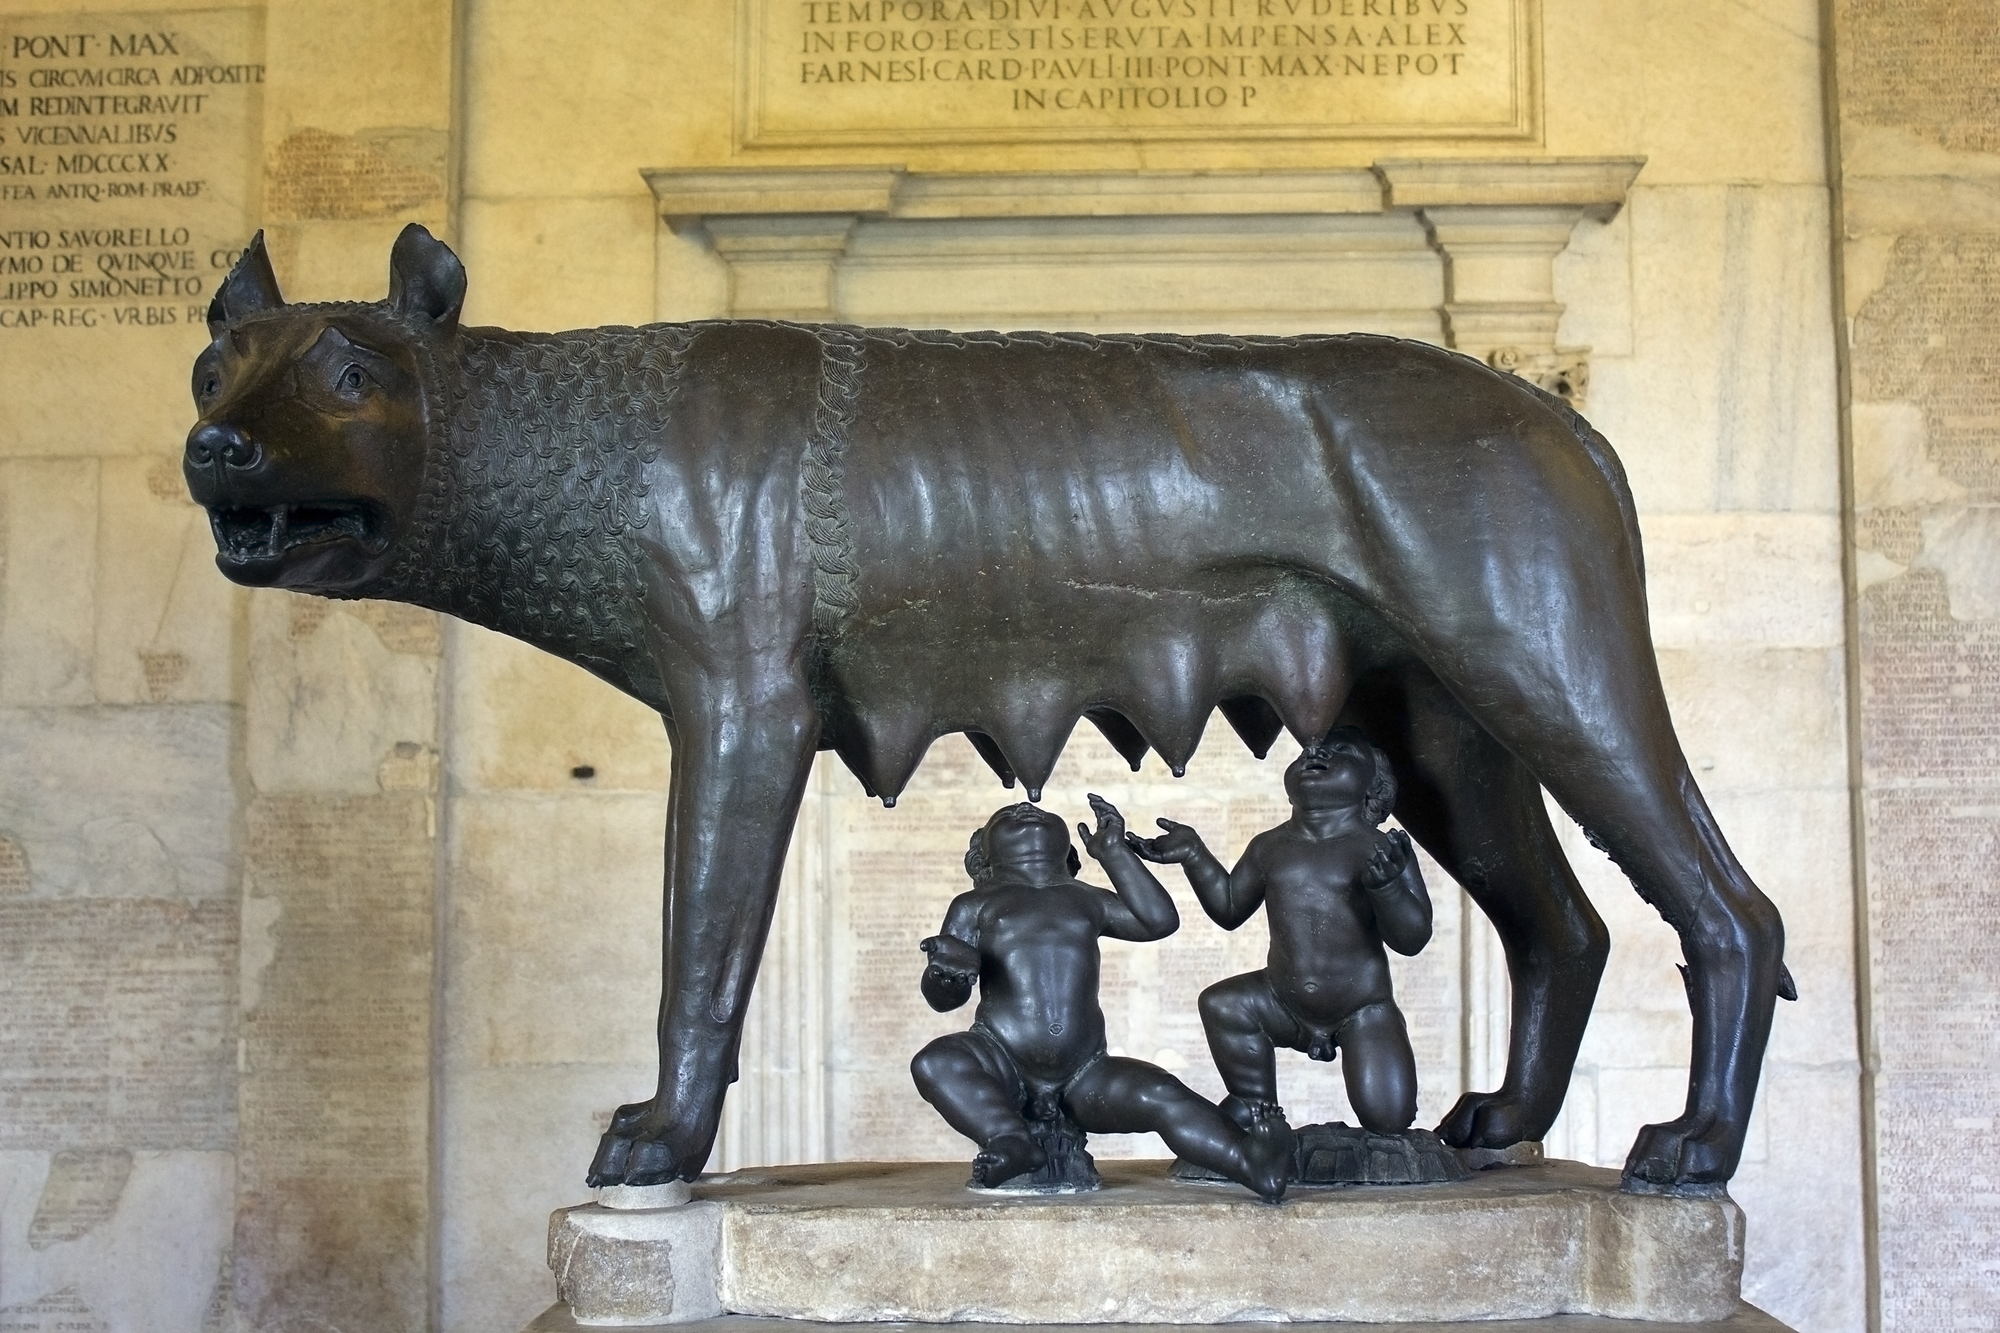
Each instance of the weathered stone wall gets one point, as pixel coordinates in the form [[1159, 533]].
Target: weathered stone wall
[[121, 679], [1917, 88], [329, 934], [218, 815]]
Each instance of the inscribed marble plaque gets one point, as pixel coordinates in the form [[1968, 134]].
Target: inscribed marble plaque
[[813, 72], [126, 146]]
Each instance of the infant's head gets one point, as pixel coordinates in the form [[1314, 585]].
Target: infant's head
[[1017, 835], [1345, 769]]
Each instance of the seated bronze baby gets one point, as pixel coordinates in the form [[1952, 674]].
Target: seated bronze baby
[[1026, 933]]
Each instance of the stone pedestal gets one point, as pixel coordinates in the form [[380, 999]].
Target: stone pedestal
[[872, 1242], [1746, 1319]]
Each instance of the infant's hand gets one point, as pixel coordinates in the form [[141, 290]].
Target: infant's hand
[[1177, 846], [1392, 856], [952, 956], [1110, 831]]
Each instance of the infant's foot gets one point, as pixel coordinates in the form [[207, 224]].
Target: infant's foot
[[1003, 1158], [1269, 1150]]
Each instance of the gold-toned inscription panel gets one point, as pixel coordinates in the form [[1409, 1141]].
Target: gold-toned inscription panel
[[829, 72]]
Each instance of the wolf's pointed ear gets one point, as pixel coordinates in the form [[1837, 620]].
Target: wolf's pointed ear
[[250, 286], [425, 279]]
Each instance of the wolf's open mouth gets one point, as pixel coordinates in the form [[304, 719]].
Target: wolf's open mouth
[[259, 534]]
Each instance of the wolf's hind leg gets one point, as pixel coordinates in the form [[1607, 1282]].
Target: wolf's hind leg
[[1605, 748]]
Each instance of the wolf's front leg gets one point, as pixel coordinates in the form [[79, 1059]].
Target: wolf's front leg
[[741, 760]]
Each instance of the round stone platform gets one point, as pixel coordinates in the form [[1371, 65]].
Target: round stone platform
[[875, 1242]]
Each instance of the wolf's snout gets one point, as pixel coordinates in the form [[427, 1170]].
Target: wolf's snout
[[214, 445]]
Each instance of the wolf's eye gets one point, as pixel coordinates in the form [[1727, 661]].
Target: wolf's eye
[[210, 384], [354, 379]]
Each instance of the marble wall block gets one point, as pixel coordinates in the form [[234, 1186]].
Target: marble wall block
[[552, 954], [335, 1085], [1727, 399], [342, 698], [561, 263], [47, 640], [1710, 91], [121, 802], [585, 133], [167, 624]]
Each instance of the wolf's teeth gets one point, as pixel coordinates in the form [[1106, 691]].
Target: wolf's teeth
[[280, 519]]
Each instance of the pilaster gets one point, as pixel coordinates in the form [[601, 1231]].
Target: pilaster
[[1498, 226], [342, 737]]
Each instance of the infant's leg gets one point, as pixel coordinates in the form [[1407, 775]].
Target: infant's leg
[[1245, 1025], [1380, 1068], [975, 1087], [1119, 1096]]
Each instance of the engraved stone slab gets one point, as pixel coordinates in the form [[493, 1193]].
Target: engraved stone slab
[[870, 1242], [125, 170], [964, 71], [119, 1034]]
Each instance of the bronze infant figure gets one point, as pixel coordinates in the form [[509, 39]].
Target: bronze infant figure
[[790, 538], [1026, 933], [1336, 889]]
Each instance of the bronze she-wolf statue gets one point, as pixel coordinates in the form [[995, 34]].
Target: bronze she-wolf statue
[[789, 538]]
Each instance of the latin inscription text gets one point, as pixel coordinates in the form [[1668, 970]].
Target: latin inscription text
[[121, 168], [985, 68]]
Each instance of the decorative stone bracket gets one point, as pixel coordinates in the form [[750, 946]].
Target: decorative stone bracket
[[1497, 226]]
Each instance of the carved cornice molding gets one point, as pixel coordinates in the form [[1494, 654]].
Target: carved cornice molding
[[1595, 186], [1581, 187], [688, 198], [1497, 224]]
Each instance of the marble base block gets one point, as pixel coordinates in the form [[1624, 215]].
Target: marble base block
[[619, 1262], [1746, 1319], [871, 1242]]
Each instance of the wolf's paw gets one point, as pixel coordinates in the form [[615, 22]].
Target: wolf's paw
[[1488, 1120], [1692, 1155], [645, 1147]]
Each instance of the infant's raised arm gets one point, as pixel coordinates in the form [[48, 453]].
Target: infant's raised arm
[[1396, 893], [1142, 909], [1230, 897]]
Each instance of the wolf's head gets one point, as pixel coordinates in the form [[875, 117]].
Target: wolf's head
[[315, 419]]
